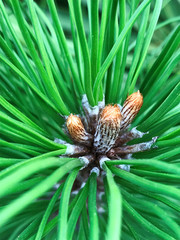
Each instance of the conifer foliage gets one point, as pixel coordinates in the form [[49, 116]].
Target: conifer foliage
[[103, 52]]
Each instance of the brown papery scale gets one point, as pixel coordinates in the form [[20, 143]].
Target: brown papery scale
[[130, 109], [108, 128], [77, 131]]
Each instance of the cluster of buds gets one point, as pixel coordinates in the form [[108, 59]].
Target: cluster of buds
[[104, 130]]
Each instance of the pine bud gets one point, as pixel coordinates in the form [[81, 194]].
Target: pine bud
[[107, 129], [130, 109], [77, 130]]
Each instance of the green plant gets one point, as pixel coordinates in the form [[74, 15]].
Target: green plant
[[43, 75]]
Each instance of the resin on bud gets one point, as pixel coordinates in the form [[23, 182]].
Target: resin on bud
[[77, 131], [130, 109], [107, 129]]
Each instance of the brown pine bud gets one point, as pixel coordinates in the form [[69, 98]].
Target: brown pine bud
[[130, 109], [77, 130], [108, 128]]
